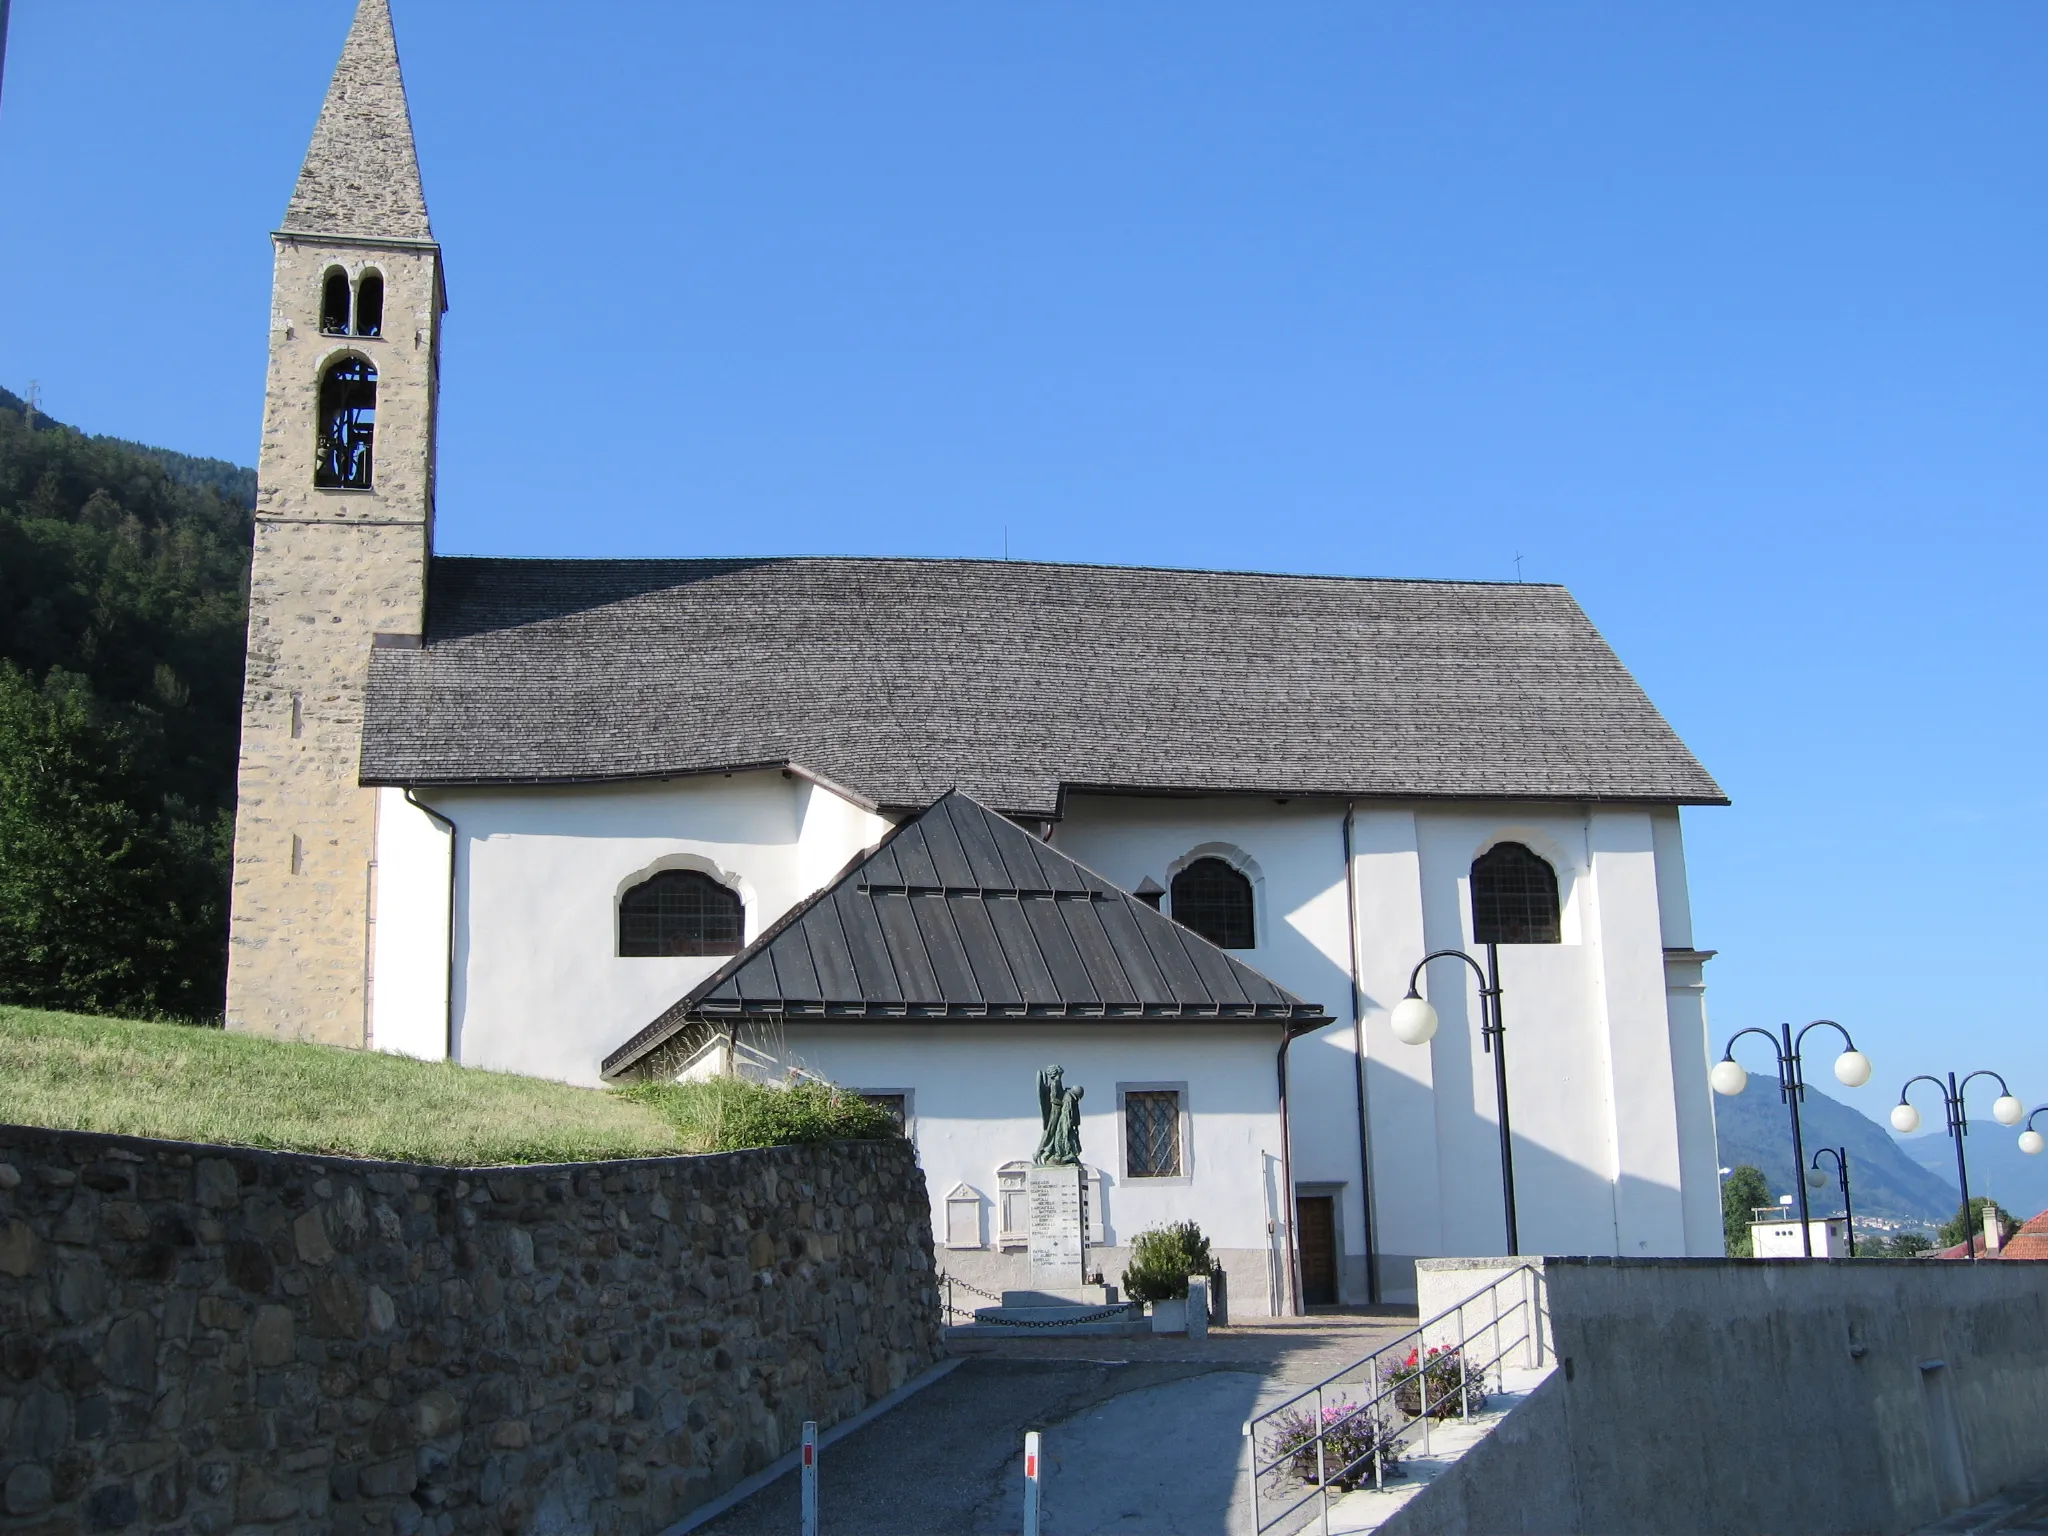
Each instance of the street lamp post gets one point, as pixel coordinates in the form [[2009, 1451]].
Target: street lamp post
[[1852, 1070], [1414, 1023], [1817, 1178], [2006, 1110]]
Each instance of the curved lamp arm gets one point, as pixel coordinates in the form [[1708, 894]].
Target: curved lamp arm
[[1777, 1050], [1906, 1119], [2006, 1111], [1415, 976], [1939, 1086], [1728, 1076], [2043, 1110], [1964, 1085], [1829, 1152], [1799, 1040]]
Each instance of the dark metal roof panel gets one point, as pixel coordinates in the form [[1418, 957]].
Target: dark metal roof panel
[[898, 936]]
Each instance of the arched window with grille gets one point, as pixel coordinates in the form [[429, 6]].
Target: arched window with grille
[[1514, 897], [370, 304], [1215, 900], [334, 303], [348, 423], [680, 912]]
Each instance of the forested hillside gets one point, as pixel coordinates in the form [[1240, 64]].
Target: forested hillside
[[123, 586], [1752, 1128]]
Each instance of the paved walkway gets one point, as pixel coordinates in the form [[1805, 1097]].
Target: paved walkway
[[1143, 1436]]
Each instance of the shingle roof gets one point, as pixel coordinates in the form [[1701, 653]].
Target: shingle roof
[[961, 914], [902, 678], [362, 175]]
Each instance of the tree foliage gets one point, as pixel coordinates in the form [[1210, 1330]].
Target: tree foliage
[[1955, 1230], [1741, 1192], [123, 600]]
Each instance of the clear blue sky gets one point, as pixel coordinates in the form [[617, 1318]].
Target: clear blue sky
[[1732, 318]]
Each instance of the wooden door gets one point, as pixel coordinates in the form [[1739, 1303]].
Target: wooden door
[[1318, 1218]]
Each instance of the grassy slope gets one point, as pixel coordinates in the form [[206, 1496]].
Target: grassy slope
[[182, 1083], [186, 1084]]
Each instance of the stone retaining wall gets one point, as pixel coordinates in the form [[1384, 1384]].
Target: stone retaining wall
[[198, 1339]]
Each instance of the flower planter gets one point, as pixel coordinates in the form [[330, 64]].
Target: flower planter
[[1170, 1316]]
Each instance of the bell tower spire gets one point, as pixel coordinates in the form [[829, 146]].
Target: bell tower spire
[[362, 173], [344, 534]]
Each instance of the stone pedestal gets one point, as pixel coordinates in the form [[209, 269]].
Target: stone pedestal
[[1059, 1230]]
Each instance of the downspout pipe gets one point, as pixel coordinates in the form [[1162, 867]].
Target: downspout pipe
[[448, 1026], [1372, 1258], [1289, 1034]]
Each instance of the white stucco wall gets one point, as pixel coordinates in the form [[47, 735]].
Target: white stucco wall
[[540, 986], [975, 1108], [1612, 1153], [1613, 1121], [409, 934]]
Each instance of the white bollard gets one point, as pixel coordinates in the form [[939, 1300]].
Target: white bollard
[[1198, 1307], [1031, 1484], [810, 1478]]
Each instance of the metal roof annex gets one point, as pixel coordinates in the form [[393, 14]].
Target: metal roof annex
[[960, 914]]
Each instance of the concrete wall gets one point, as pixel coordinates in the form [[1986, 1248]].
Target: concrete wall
[[1743, 1396], [198, 1338], [974, 1107]]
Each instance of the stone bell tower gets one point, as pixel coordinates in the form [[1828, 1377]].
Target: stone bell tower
[[344, 531]]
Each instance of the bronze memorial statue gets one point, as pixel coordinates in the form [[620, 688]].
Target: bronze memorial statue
[[1059, 1109]]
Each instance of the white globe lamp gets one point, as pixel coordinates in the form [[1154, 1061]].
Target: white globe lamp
[[1815, 1178], [1414, 1021], [1905, 1119], [1728, 1077], [2031, 1142], [1852, 1069], [2008, 1110]]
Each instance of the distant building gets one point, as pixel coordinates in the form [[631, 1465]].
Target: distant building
[[1773, 1236]]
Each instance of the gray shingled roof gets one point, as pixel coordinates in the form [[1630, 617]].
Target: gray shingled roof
[[961, 914], [900, 679], [362, 176]]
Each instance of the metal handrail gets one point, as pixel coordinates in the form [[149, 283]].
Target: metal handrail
[[1530, 1306]]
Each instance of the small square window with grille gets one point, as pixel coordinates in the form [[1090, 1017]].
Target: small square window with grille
[[1152, 1135]]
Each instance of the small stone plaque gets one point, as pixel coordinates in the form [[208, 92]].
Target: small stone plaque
[[1059, 1255]]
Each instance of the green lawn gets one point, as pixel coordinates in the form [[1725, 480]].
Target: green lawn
[[182, 1083]]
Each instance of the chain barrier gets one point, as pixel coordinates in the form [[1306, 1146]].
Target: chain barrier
[[1123, 1309]]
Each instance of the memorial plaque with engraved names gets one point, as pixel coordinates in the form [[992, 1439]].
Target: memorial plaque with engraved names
[[1059, 1257]]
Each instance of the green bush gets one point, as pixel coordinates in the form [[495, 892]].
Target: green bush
[[728, 1114], [1163, 1258]]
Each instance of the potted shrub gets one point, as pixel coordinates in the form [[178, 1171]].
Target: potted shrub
[[1450, 1382], [1161, 1261], [1354, 1439]]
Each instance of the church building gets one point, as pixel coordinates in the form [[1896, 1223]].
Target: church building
[[924, 827]]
